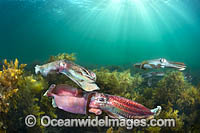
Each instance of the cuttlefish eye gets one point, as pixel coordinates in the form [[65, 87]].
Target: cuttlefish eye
[[101, 99], [62, 64], [93, 75], [53, 86], [162, 60]]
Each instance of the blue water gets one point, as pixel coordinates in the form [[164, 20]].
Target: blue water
[[101, 32]]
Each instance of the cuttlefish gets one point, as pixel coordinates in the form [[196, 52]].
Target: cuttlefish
[[76, 101], [81, 76], [160, 63]]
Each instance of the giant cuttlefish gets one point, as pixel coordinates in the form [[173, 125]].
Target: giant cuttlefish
[[81, 76], [75, 101], [160, 63]]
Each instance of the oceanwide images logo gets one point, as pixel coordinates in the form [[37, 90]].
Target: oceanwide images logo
[[46, 121]]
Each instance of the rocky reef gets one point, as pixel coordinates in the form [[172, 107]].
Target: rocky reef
[[21, 94]]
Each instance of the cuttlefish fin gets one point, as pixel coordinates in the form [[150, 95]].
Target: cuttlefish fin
[[54, 103], [113, 115], [156, 111]]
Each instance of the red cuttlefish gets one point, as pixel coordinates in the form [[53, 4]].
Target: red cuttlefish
[[75, 101]]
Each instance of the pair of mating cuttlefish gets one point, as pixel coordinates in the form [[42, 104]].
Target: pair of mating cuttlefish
[[77, 101]]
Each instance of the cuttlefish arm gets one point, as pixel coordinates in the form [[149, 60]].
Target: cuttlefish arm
[[79, 70], [178, 65], [87, 85]]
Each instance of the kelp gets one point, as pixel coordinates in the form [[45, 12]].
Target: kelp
[[180, 100], [115, 82], [21, 96], [171, 113], [145, 97], [9, 76], [169, 88], [189, 104], [30, 97], [62, 56]]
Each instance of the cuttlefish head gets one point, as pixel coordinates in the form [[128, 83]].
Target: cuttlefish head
[[99, 100]]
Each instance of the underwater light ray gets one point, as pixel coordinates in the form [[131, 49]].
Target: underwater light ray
[[142, 10], [145, 16], [108, 16], [111, 31], [116, 20], [160, 12], [90, 20], [178, 21], [83, 16], [160, 22], [88, 23], [182, 10], [161, 9]]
